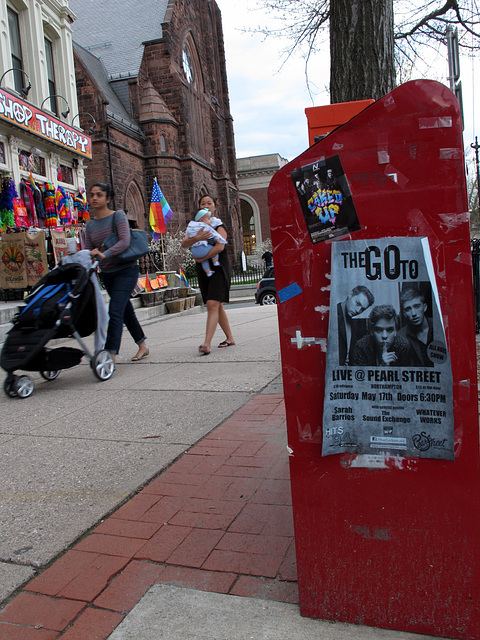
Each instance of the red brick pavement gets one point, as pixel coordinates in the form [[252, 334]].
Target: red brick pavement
[[219, 519]]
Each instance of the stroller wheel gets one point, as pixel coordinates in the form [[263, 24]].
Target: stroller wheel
[[103, 365], [49, 375], [23, 386], [8, 387]]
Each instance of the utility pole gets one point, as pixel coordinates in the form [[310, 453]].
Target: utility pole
[[454, 65], [476, 147]]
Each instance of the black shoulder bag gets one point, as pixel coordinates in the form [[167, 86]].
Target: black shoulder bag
[[137, 248]]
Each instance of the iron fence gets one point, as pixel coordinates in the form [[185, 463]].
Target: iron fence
[[251, 276], [152, 262]]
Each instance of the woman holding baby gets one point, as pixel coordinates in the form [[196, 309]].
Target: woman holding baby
[[215, 288]]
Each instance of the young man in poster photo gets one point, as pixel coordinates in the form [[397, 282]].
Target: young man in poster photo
[[349, 331], [418, 329], [382, 347]]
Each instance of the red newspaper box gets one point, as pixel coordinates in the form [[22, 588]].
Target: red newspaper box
[[374, 279]]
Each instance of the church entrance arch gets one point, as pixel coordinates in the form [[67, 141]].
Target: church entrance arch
[[252, 232], [134, 205]]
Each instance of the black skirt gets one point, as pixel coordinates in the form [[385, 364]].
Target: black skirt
[[216, 287]]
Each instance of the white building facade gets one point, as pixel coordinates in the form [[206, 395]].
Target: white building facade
[[254, 176], [39, 121]]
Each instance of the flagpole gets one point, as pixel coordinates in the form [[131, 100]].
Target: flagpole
[[160, 214], [163, 251]]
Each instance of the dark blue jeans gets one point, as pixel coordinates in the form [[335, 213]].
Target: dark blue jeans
[[119, 286]]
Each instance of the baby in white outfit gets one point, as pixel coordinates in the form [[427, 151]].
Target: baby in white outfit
[[204, 220]]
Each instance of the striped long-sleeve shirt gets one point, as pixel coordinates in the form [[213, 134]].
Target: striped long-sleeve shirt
[[98, 230]]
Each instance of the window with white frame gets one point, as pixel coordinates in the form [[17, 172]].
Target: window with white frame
[[15, 48], [31, 160], [51, 76], [65, 174]]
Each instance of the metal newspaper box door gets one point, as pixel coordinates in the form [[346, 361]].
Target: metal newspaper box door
[[374, 279]]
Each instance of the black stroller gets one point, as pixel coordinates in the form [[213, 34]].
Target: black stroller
[[61, 305]]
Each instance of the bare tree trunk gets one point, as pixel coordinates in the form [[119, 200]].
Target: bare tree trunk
[[362, 61]]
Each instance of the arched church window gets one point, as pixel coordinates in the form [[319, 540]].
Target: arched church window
[[194, 96], [187, 65], [134, 205]]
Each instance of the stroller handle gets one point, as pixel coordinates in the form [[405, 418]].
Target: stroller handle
[[91, 270], [93, 267]]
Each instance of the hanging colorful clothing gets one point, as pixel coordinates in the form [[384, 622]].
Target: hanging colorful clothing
[[7, 195], [63, 206], [51, 218], [81, 206], [20, 213], [71, 205], [26, 195], [38, 200]]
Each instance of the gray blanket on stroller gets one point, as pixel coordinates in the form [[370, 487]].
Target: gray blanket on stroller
[[84, 258]]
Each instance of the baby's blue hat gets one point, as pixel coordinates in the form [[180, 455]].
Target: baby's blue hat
[[201, 213]]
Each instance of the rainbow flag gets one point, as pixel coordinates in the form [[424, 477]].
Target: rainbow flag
[[183, 278], [160, 212]]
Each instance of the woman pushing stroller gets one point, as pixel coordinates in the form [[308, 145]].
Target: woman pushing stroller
[[119, 279]]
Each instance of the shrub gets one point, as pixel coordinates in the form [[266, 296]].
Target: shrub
[[174, 254]]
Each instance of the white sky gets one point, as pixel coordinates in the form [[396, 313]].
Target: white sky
[[268, 105]]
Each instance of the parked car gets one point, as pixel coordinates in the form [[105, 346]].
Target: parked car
[[266, 292]]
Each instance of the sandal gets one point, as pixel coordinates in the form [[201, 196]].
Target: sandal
[[141, 356], [225, 343], [203, 350]]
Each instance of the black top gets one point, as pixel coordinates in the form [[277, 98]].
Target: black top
[[216, 287]]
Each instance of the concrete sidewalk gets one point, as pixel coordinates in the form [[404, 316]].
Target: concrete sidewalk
[[78, 448]]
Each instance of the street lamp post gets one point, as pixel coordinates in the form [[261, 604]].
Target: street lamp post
[[476, 147]]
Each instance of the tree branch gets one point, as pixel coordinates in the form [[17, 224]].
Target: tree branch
[[450, 5]]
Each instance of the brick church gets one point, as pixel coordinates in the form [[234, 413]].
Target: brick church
[[152, 93]]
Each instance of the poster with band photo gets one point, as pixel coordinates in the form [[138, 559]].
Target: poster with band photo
[[388, 379], [326, 200]]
